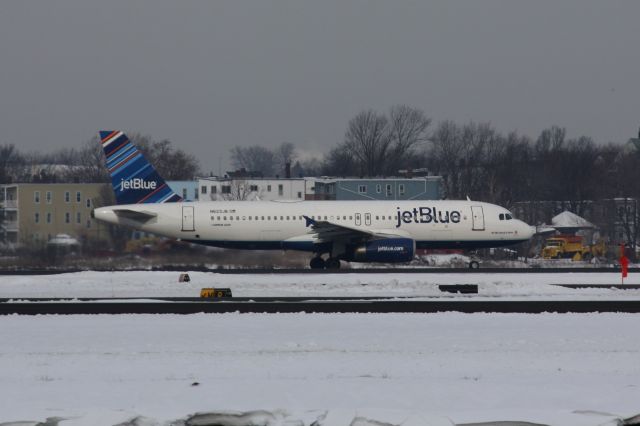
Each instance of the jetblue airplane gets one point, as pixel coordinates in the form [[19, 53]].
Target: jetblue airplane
[[353, 231]]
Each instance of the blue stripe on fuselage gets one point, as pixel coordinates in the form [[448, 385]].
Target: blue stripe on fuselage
[[310, 246]]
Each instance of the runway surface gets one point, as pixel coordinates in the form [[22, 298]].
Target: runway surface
[[309, 305], [260, 271]]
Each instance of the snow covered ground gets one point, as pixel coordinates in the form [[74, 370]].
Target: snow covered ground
[[149, 284], [334, 369], [412, 369]]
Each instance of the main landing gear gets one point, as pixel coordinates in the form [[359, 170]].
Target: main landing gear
[[332, 263], [319, 263]]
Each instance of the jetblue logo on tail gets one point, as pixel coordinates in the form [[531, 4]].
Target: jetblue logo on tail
[[136, 183], [134, 180]]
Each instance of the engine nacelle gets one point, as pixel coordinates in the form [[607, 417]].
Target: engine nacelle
[[383, 250]]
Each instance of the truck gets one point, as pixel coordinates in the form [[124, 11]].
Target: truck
[[571, 247]]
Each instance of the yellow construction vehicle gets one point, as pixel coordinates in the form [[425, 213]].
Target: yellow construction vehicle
[[571, 247]]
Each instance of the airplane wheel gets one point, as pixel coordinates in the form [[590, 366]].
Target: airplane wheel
[[332, 263], [474, 264], [317, 263]]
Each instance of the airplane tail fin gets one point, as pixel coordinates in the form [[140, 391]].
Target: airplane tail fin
[[134, 180]]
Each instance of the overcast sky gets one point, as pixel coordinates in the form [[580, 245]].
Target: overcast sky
[[209, 75]]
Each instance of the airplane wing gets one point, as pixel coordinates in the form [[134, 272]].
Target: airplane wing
[[139, 216], [328, 231]]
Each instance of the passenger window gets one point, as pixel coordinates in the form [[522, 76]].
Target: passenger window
[[501, 216]]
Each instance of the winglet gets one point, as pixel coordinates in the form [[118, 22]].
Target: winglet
[[308, 221]]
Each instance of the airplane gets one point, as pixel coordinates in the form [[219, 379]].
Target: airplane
[[352, 231]]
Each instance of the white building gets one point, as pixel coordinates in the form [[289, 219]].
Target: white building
[[251, 189], [322, 188]]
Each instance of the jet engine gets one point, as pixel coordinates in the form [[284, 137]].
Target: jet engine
[[382, 250]]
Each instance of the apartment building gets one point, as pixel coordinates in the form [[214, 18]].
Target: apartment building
[[36, 212]]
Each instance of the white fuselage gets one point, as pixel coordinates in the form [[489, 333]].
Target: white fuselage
[[281, 224]]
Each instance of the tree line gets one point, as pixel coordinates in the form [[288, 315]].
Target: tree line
[[476, 160], [87, 164]]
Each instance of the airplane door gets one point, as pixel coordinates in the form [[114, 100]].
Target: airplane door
[[358, 219], [367, 219], [187, 218], [477, 217]]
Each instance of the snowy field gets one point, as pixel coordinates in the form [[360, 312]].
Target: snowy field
[[332, 369], [149, 284]]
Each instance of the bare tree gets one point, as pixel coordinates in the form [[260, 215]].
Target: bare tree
[[308, 167], [493, 159], [11, 163], [339, 162], [171, 163], [87, 164], [551, 139], [446, 155], [367, 140], [253, 159], [284, 154], [239, 190], [407, 128]]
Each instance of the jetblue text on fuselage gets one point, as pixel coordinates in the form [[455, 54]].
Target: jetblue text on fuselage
[[427, 215], [136, 183]]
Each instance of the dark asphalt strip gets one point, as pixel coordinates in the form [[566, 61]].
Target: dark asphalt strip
[[351, 306]]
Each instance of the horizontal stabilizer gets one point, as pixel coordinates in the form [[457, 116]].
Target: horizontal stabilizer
[[135, 215]]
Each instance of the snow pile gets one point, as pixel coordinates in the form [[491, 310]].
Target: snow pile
[[445, 260], [566, 219], [63, 240]]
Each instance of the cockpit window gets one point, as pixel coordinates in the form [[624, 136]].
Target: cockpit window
[[509, 217], [501, 216]]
